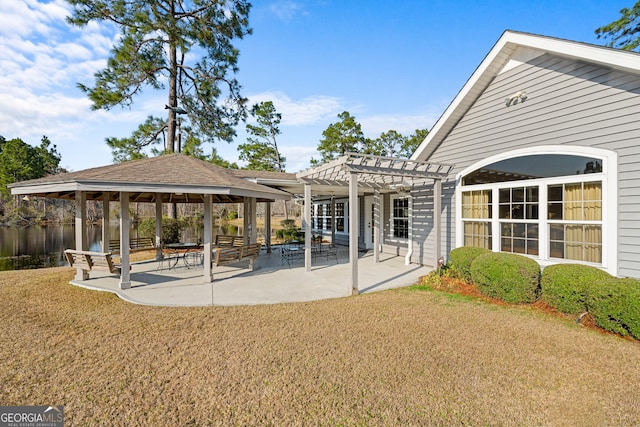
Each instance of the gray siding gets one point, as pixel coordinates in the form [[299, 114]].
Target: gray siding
[[569, 103]]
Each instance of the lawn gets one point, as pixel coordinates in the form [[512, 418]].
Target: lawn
[[402, 357]]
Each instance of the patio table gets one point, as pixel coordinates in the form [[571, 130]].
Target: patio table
[[181, 250]]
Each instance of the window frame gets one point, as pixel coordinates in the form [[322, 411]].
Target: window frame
[[392, 218], [609, 219]]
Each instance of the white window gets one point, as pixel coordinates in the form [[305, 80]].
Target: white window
[[322, 218], [548, 205], [400, 217]]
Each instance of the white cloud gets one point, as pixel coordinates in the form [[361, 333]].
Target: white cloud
[[373, 126], [286, 10], [306, 111]]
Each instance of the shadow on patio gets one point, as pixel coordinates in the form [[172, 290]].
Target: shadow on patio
[[272, 282]]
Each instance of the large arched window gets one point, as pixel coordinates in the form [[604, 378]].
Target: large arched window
[[551, 203]]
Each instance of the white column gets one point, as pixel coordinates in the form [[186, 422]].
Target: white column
[[437, 219], [208, 276], [306, 226], [253, 227], [81, 229], [407, 258], [333, 220], [105, 221], [354, 228], [158, 226], [125, 274], [245, 221], [267, 226], [376, 225]]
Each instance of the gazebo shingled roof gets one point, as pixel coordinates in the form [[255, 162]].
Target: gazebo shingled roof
[[176, 177]]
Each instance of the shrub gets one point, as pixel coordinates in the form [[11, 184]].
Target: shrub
[[171, 229], [565, 286], [509, 277], [232, 215], [615, 306], [461, 259]]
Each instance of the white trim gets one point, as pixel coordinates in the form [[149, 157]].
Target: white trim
[[507, 48], [609, 178], [393, 238]]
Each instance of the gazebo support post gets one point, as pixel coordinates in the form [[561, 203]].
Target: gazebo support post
[[158, 226], [253, 226], [81, 229], [354, 228], [208, 276], [106, 198], [376, 225], [245, 220], [125, 274], [267, 226], [437, 219], [306, 226]]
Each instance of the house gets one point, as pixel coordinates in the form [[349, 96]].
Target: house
[[545, 139], [542, 143]]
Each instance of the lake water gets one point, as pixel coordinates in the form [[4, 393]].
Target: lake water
[[43, 246]]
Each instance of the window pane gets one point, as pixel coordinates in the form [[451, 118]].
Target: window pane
[[555, 193], [532, 167]]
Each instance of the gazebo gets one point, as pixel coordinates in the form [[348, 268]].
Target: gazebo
[[171, 178]]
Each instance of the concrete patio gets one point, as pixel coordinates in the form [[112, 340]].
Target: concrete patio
[[272, 282]]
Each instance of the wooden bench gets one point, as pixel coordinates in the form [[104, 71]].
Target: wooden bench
[[234, 254], [88, 261], [225, 240], [136, 244]]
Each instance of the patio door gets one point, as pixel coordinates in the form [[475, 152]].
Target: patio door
[[369, 228]]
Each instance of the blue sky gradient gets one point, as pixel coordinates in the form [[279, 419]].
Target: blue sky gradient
[[392, 64]]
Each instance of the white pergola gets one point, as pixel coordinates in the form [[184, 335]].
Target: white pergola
[[375, 173]]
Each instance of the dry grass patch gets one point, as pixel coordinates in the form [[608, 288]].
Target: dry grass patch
[[404, 357]]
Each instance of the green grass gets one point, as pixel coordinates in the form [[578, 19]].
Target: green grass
[[402, 357]]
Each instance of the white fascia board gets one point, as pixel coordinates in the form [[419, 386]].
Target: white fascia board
[[496, 60], [58, 187], [486, 69]]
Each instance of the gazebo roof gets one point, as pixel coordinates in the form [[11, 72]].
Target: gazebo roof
[[176, 177]]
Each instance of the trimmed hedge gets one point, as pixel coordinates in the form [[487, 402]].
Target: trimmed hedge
[[565, 286], [462, 258], [509, 277], [615, 306]]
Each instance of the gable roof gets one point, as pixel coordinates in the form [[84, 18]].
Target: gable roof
[[514, 48], [176, 176]]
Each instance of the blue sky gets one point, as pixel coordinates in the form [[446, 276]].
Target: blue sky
[[392, 64]]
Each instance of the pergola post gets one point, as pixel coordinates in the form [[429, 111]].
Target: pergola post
[[208, 276], [306, 225], [437, 219], [125, 274], [158, 226], [376, 225], [354, 228], [333, 220], [407, 258], [81, 229], [267, 226], [106, 198]]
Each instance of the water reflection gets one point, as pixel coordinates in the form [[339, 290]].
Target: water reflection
[[43, 246]]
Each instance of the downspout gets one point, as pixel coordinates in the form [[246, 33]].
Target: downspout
[[407, 258]]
